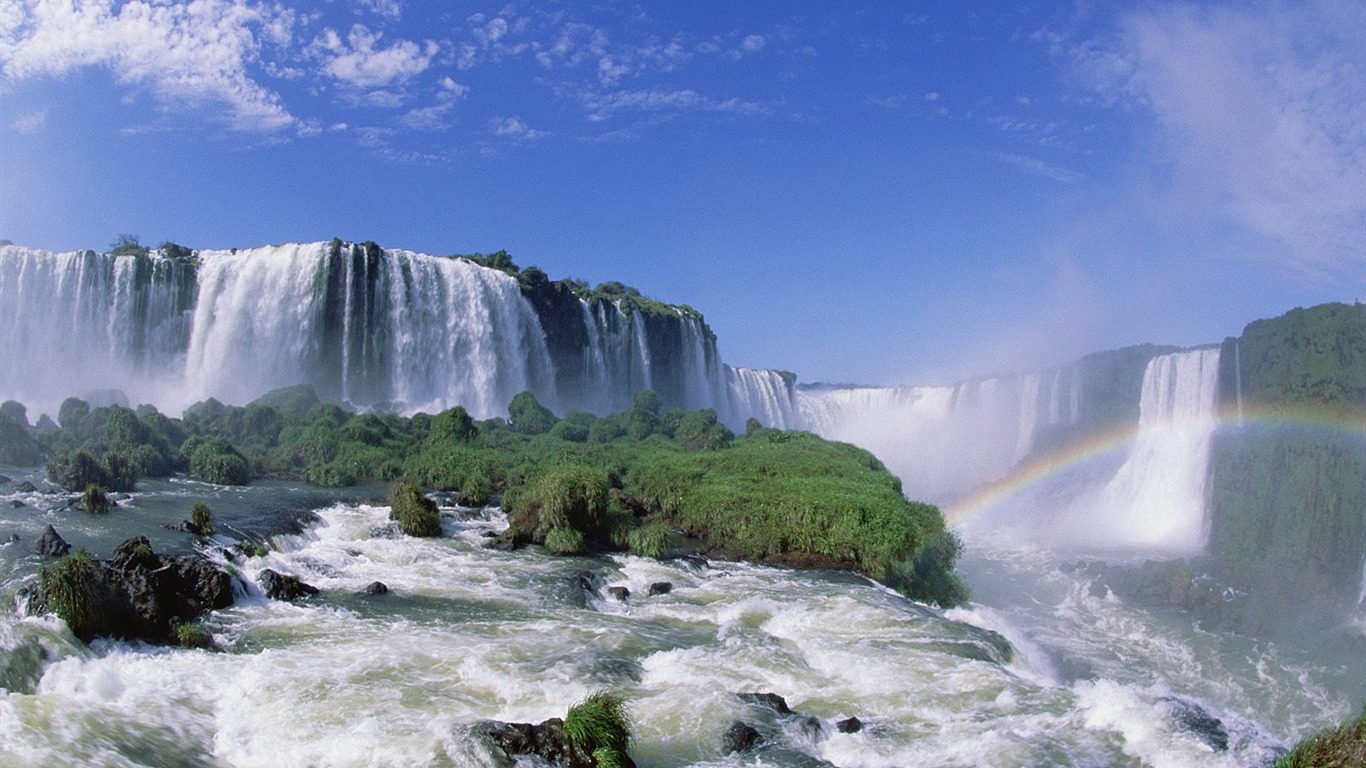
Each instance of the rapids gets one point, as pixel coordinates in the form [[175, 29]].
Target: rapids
[[469, 633]]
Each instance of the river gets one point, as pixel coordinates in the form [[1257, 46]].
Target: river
[[468, 633]]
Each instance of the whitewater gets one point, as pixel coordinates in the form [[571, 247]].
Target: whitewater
[[468, 633]]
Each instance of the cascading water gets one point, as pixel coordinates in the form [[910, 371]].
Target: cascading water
[[81, 321], [943, 441], [1146, 493], [393, 329]]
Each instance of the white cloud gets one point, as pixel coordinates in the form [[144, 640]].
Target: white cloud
[[753, 43], [30, 122], [513, 128], [189, 55], [1261, 115], [433, 116], [358, 62], [390, 9]]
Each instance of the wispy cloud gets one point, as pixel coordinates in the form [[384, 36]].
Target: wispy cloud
[[30, 122], [1260, 112], [190, 55], [603, 105], [1039, 167]]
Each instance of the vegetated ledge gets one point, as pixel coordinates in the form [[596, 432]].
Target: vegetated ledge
[[643, 480]]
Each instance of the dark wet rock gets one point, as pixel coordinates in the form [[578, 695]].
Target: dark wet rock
[[509, 540], [4, 479], [770, 701], [740, 737], [17, 504], [547, 741], [49, 544], [694, 563], [13, 538], [1198, 721], [26, 487], [145, 596], [1098, 589], [589, 584], [849, 725], [153, 594], [661, 588], [376, 588], [278, 586], [619, 593], [185, 526]]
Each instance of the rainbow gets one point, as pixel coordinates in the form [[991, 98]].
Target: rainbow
[[1036, 470]]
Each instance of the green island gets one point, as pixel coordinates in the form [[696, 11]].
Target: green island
[[644, 480]]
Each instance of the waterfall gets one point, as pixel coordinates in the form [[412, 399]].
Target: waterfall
[[407, 331], [1238, 377], [80, 321], [375, 328], [1157, 499], [942, 441]]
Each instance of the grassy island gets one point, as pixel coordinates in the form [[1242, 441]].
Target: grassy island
[[645, 480]]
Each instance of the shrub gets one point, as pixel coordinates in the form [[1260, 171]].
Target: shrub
[[95, 500], [215, 460], [600, 721], [416, 514], [201, 517], [453, 425], [73, 589], [528, 416]]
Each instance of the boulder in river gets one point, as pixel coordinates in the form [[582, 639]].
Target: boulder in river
[[278, 586], [49, 544]]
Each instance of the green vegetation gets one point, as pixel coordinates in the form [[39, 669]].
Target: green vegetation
[[201, 517], [645, 480], [193, 635], [601, 725], [1339, 747], [1288, 493], [416, 514], [95, 500], [74, 590]]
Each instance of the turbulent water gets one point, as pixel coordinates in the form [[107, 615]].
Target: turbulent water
[[469, 633]]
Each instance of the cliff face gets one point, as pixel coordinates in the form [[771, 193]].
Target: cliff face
[[1287, 506]]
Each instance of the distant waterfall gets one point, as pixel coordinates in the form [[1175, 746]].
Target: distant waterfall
[[1157, 499], [944, 441]]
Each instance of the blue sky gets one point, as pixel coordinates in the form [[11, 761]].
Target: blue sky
[[900, 192]]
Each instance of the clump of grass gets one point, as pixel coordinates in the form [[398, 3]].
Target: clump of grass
[[95, 500], [201, 517], [601, 725], [416, 514], [73, 589], [1341, 746], [193, 635], [565, 541], [649, 540]]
